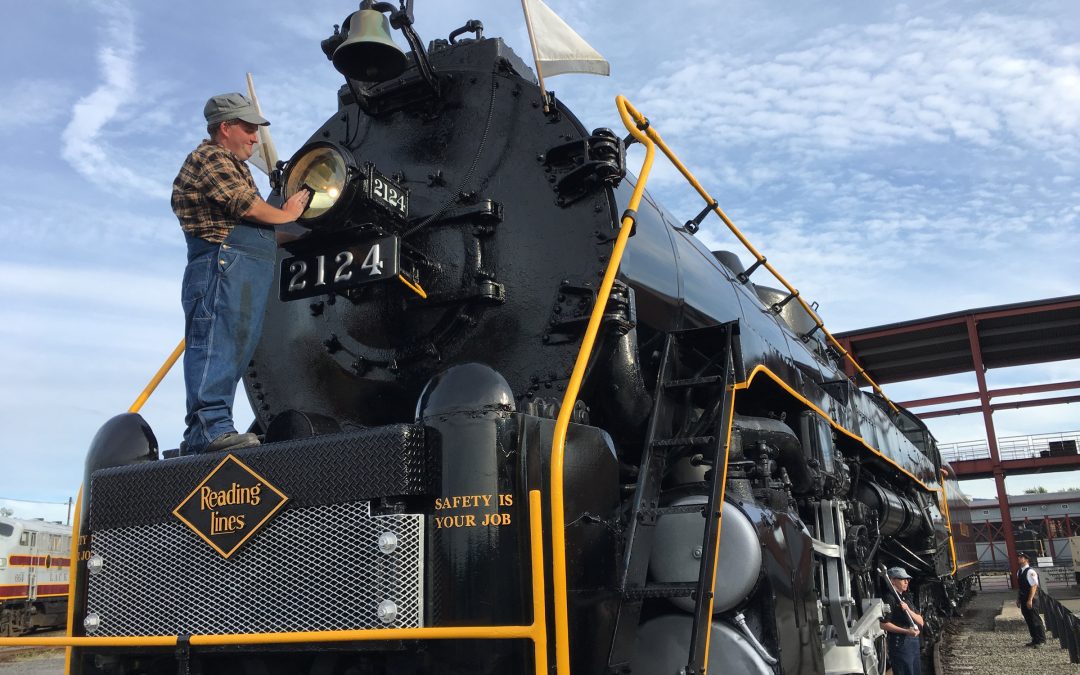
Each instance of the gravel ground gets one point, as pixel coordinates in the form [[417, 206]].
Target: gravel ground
[[972, 645], [47, 662], [35, 661]]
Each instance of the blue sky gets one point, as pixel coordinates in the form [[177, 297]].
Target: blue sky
[[894, 160]]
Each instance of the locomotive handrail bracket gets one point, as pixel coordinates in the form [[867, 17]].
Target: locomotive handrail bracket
[[535, 631]]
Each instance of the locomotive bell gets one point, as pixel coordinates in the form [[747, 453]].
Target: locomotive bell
[[368, 54]]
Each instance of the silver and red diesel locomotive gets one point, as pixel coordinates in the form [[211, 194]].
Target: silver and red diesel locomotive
[[725, 498], [35, 558]]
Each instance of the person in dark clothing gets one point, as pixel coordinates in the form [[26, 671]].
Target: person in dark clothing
[[1027, 586], [903, 626]]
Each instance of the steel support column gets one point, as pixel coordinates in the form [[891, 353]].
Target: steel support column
[[849, 367], [991, 441]]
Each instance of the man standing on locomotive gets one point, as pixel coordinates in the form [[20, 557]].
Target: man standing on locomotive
[[903, 626], [231, 251], [1027, 586]]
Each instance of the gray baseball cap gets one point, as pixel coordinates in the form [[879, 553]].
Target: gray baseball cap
[[898, 573], [233, 106]]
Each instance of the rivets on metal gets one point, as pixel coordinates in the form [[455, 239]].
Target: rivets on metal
[[387, 611], [388, 542], [95, 563], [92, 623]]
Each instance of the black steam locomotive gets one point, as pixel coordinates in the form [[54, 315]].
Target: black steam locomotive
[[713, 494]]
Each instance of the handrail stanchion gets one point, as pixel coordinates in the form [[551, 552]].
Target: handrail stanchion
[[1070, 637], [1069, 627], [633, 119], [1074, 631], [948, 518], [75, 530], [156, 379]]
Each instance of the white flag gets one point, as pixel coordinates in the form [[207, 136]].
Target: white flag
[[265, 156], [557, 48]]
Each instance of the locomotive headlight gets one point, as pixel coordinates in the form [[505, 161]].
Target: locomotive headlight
[[327, 171]]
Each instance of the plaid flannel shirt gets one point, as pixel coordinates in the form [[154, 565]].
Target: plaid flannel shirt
[[212, 192]]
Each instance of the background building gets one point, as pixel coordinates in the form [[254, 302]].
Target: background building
[[1042, 523]]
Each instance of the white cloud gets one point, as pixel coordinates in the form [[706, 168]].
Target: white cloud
[[985, 80], [86, 144]]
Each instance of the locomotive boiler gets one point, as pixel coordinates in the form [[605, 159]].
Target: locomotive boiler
[[465, 470]]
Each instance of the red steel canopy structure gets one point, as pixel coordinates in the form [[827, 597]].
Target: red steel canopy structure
[[975, 340]]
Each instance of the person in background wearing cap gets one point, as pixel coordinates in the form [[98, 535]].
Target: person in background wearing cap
[[1027, 585], [230, 252], [903, 626]]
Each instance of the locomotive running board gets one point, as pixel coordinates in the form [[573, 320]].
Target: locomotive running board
[[697, 361]]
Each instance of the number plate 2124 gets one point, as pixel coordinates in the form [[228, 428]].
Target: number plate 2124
[[331, 271]]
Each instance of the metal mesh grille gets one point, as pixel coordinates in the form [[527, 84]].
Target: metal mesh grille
[[311, 569]]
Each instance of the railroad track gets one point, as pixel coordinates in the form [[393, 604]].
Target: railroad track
[[935, 660]]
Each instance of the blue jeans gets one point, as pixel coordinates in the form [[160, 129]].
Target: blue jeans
[[904, 654], [224, 296]]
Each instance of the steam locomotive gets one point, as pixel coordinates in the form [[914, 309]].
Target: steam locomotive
[[725, 498], [34, 564]]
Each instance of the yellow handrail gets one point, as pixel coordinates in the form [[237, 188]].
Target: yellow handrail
[[558, 443], [156, 379], [760, 259], [72, 567], [413, 286], [948, 518], [536, 631]]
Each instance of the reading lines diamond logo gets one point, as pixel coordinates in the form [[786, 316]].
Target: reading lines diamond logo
[[230, 505]]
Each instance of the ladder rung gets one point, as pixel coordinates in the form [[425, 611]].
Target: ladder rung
[[695, 381], [661, 590], [684, 442]]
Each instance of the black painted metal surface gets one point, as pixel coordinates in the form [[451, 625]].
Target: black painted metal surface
[[489, 243], [387, 461]]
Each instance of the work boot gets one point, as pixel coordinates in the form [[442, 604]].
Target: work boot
[[232, 441]]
